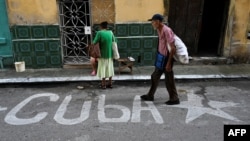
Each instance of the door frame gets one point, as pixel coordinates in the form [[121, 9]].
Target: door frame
[[223, 28]]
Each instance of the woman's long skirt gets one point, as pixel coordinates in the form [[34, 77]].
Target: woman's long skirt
[[105, 68]]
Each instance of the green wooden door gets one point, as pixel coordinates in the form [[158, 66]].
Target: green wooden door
[[6, 53]]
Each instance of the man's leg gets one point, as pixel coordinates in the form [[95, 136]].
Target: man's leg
[[155, 78], [171, 88]]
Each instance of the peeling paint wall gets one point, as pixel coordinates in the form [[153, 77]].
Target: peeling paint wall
[[103, 10], [32, 12], [126, 11], [137, 10], [237, 46], [25, 12]]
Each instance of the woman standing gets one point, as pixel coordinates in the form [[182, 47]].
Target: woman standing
[[105, 67]]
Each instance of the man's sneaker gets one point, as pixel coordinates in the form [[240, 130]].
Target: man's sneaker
[[173, 102], [147, 98]]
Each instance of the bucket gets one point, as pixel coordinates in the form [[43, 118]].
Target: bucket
[[20, 66]]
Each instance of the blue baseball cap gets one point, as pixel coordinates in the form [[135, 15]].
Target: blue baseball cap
[[156, 17]]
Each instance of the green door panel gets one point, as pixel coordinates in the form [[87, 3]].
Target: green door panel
[[2, 40], [5, 36]]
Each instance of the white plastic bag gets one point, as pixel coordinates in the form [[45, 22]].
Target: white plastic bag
[[181, 54], [116, 54]]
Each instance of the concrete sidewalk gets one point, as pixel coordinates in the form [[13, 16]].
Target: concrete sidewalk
[[235, 71]]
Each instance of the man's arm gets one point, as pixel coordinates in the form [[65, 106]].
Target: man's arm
[[170, 58]]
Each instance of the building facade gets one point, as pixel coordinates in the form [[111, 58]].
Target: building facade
[[54, 33]]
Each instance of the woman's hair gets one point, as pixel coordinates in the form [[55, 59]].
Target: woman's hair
[[104, 24]]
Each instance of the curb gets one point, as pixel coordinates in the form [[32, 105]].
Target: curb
[[116, 78]]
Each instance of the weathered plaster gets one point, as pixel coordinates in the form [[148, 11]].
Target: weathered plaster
[[236, 42], [137, 10], [32, 12], [103, 10]]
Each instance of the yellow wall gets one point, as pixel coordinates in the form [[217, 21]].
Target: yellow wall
[[242, 9], [22, 12], [236, 42], [137, 10], [25, 12]]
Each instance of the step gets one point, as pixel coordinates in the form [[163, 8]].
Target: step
[[77, 66], [207, 61]]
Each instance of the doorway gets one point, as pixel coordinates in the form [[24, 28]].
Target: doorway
[[74, 18], [213, 25], [200, 24]]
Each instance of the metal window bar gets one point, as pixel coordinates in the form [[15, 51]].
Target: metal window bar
[[74, 15]]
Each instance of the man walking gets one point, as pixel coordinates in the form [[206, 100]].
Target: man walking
[[165, 36]]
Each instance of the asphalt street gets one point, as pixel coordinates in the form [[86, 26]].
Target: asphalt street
[[62, 112]]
